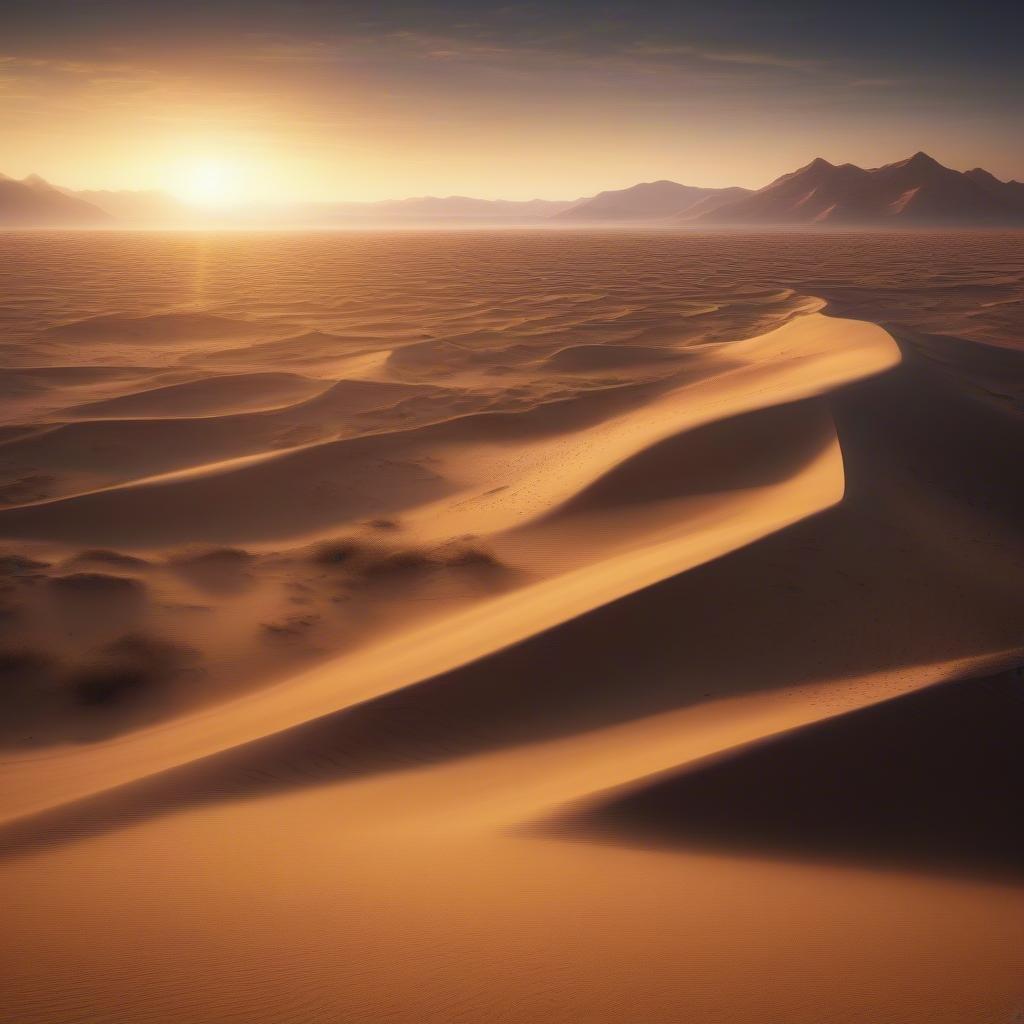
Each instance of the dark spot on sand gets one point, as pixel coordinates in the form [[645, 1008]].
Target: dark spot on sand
[[105, 685], [290, 628], [472, 556], [128, 668], [408, 560], [150, 650], [23, 661], [97, 583], [34, 487], [335, 552], [20, 565]]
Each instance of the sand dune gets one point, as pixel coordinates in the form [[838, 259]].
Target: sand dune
[[214, 396], [602, 613], [104, 450], [584, 358], [929, 778], [308, 350], [111, 328], [313, 486]]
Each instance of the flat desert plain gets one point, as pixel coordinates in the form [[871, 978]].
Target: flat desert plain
[[520, 626]]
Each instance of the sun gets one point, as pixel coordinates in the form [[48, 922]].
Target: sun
[[208, 181]]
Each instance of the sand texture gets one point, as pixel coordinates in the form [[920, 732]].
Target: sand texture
[[523, 626]]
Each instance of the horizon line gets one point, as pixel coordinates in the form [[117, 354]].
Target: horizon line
[[263, 201]]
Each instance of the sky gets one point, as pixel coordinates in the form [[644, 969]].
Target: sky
[[316, 100]]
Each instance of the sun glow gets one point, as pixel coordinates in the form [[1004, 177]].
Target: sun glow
[[208, 181]]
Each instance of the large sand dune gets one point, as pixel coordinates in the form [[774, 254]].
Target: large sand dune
[[523, 627], [930, 779]]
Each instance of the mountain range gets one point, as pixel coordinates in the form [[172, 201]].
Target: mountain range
[[916, 192], [652, 200], [33, 202]]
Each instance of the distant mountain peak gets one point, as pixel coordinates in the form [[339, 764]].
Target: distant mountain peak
[[648, 200], [920, 163], [979, 174], [35, 181], [35, 202], [915, 191]]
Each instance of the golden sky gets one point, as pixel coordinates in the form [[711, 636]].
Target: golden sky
[[332, 107]]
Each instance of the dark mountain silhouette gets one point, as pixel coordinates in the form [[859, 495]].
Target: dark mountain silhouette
[[1011, 192], [651, 200], [916, 191], [34, 202], [707, 205]]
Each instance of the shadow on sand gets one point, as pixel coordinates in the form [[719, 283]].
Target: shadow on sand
[[933, 780]]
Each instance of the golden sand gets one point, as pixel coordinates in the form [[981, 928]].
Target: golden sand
[[520, 626]]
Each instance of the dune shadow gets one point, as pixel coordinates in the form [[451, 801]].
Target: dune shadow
[[933, 780], [754, 449], [861, 587]]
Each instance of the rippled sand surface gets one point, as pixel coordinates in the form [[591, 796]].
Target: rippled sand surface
[[612, 626]]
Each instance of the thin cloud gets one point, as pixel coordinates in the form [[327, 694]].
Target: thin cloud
[[876, 83], [767, 60], [668, 51]]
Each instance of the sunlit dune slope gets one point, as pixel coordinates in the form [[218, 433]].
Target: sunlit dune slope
[[706, 500]]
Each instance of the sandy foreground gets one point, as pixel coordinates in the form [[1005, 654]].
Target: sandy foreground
[[519, 626]]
